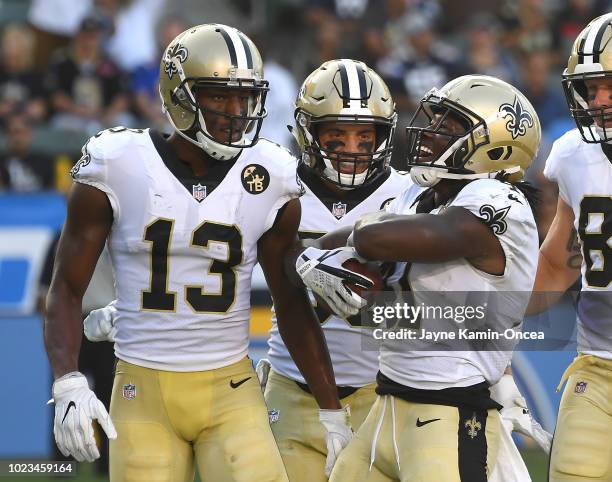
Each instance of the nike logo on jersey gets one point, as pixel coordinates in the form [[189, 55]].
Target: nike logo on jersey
[[512, 197], [237, 384], [425, 422], [70, 405]]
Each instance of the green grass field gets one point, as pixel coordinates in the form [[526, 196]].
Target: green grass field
[[536, 461]]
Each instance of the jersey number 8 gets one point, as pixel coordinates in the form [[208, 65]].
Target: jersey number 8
[[595, 229]]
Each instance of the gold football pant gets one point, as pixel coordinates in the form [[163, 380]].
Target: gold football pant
[[168, 421], [417, 442], [294, 417], [582, 446]]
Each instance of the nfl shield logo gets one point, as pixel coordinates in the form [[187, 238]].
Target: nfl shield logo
[[199, 192], [580, 387], [129, 391], [338, 210], [273, 415]]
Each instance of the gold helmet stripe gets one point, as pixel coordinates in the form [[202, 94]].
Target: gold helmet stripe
[[237, 49]]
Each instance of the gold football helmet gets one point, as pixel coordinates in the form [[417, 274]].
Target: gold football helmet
[[591, 58], [474, 127], [345, 91], [212, 56]]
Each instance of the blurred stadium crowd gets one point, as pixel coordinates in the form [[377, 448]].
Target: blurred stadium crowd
[[70, 68]]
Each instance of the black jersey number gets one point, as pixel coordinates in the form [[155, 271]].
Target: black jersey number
[[595, 229], [158, 298]]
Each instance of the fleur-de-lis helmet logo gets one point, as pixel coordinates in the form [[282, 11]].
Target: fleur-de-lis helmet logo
[[176, 52], [520, 118]]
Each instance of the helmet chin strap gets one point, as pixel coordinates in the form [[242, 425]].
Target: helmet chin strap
[[347, 181], [427, 176], [214, 149]]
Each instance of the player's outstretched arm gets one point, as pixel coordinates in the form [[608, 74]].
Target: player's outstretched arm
[[340, 237], [427, 238], [87, 226], [559, 261], [297, 321], [333, 239]]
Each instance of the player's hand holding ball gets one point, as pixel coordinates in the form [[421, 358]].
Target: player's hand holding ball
[[325, 273]]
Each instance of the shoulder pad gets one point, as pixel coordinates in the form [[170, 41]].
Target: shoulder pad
[[568, 143], [113, 141]]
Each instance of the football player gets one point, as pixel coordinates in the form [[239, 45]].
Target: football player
[[186, 217], [580, 163], [472, 230], [344, 123]]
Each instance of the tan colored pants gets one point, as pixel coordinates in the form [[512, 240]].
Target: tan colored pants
[[296, 427], [169, 421], [415, 442], [582, 447]]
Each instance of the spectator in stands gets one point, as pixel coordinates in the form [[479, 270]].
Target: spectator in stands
[[346, 29], [4, 178], [54, 23], [544, 92], [570, 20], [279, 103], [526, 25], [21, 87], [483, 53], [132, 42], [430, 63], [88, 91], [20, 168], [390, 28], [144, 80], [281, 96]]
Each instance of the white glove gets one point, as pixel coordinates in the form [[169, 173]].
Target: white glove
[[100, 324], [506, 393], [322, 272], [75, 408], [339, 433], [263, 370]]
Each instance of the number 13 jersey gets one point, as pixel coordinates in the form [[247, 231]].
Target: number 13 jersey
[[183, 247], [584, 175]]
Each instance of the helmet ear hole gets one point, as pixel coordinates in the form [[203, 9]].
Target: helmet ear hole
[[495, 153], [180, 97]]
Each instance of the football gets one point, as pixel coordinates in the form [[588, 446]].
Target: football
[[370, 271]]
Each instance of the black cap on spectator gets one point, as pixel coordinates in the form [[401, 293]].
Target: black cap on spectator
[[91, 23]]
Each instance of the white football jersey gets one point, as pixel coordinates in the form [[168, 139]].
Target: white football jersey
[[413, 363], [182, 247], [322, 212], [584, 175]]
